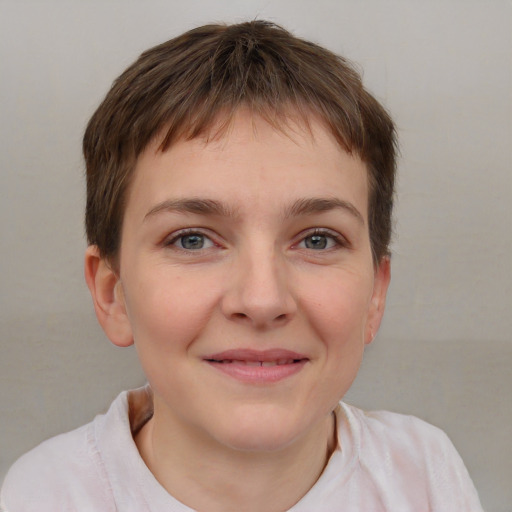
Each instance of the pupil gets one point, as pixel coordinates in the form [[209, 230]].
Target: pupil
[[316, 242], [192, 242]]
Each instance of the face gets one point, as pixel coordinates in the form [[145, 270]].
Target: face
[[247, 281]]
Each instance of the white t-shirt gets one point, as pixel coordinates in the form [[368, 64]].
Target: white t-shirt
[[387, 463]]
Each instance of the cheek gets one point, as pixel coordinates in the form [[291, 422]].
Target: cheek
[[338, 314], [168, 310], [338, 307]]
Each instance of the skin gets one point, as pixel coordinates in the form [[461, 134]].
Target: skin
[[270, 267]]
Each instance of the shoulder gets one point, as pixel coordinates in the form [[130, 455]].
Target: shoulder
[[397, 429], [58, 474], [412, 456], [400, 437]]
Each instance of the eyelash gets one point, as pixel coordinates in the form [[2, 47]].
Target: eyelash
[[339, 240]]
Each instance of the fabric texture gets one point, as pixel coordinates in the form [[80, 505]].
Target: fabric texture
[[386, 462]]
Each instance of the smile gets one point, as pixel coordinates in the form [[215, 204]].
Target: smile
[[257, 363], [258, 366]]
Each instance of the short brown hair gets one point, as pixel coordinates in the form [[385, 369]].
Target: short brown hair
[[183, 85]]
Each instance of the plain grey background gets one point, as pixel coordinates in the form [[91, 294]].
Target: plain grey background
[[443, 68]]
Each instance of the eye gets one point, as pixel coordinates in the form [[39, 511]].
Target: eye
[[321, 240], [190, 241]]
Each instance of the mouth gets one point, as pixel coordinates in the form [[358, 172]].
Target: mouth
[[258, 366], [279, 362]]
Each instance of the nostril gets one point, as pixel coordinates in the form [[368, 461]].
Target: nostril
[[240, 315], [281, 317]]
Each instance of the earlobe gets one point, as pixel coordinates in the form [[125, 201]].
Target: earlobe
[[378, 300], [107, 294]]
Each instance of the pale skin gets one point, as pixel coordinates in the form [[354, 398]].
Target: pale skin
[[256, 241]]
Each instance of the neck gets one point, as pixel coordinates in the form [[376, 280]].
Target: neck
[[209, 476]]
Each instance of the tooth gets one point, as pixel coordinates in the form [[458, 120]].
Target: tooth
[[252, 363], [269, 363]]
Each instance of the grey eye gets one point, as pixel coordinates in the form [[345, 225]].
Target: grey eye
[[316, 242], [193, 241], [319, 241]]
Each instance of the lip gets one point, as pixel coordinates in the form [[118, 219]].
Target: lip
[[258, 366]]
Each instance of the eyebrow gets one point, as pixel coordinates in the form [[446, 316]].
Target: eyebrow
[[310, 206], [192, 205], [300, 207]]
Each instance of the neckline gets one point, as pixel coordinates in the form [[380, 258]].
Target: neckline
[[130, 477]]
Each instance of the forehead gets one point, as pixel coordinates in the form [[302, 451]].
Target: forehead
[[246, 157]]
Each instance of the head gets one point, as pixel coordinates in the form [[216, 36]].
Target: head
[[182, 88], [240, 185]]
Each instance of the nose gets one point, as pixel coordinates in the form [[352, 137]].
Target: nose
[[259, 292]]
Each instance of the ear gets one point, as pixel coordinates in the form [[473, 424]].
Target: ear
[[378, 300], [107, 295]]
